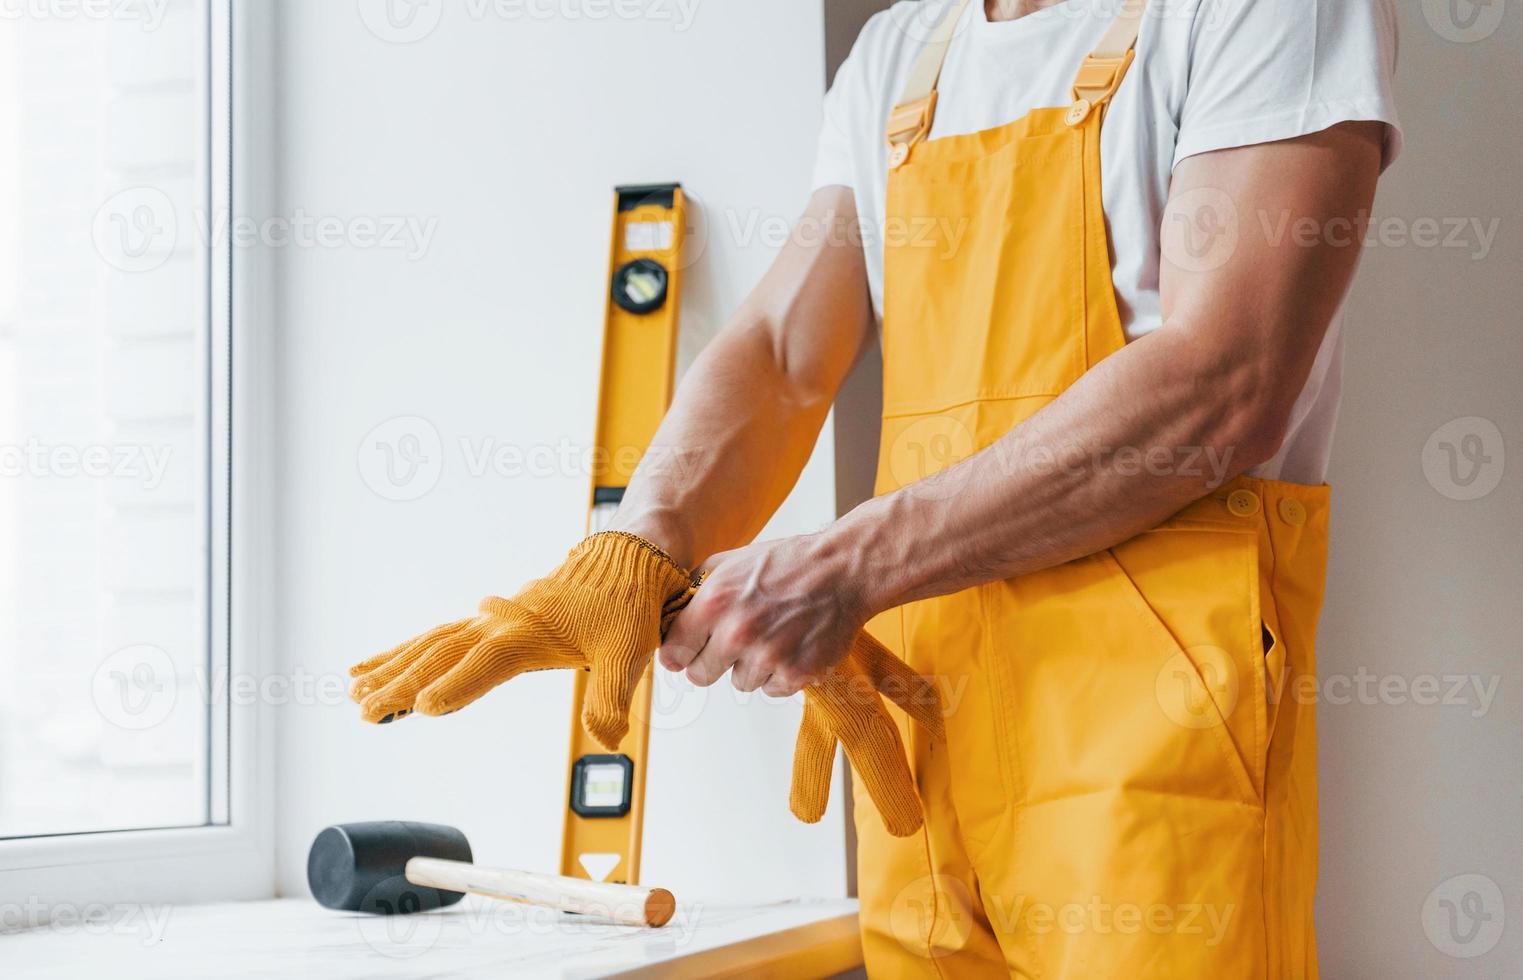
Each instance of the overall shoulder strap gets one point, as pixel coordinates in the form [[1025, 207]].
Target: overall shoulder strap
[[910, 122], [1098, 79], [1102, 72]]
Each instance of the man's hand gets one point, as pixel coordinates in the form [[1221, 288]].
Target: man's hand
[[781, 613], [786, 616]]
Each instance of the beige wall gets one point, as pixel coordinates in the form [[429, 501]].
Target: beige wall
[[1422, 584]]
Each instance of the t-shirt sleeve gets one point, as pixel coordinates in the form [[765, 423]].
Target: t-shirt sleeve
[[846, 104], [1265, 71]]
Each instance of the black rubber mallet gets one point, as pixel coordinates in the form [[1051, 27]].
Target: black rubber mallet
[[392, 867]]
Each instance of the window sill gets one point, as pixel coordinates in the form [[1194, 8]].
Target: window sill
[[478, 937]]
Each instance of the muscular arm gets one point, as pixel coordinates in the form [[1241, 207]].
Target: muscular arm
[[748, 413], [1221, 376]]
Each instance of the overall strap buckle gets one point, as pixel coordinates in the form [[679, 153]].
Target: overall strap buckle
[[908, 124], [1097, 81]]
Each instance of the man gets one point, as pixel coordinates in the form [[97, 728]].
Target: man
[[1108, 243]]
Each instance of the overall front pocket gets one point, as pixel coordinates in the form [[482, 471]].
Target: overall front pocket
[[1130, 670], [1198, 592]]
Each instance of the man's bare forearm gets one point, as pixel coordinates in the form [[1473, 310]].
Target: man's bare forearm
[[1138, 437], [748, 413], [728, 453]]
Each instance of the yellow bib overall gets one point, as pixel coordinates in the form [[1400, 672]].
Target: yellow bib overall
[[1128, 786]]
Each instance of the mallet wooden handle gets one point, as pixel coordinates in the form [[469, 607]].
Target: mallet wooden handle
[[627, 905]]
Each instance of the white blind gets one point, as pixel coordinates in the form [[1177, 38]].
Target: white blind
[[103, 417]]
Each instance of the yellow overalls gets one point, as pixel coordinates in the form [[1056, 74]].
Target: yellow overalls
[[1128, 786]]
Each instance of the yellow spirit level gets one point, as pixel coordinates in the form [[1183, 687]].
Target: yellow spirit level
[[604, 819]]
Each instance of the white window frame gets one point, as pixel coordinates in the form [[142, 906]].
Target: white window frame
[[234, 857]]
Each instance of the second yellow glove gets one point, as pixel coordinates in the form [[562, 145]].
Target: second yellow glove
[[846, 707]]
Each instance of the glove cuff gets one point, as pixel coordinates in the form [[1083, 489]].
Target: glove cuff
[[620, 560], [650, 546]]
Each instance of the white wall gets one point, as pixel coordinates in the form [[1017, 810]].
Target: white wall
[[1422, 584], [512, 134]]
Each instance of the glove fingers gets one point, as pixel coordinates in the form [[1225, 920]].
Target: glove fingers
[[900, 683], [373, 674], [500, 657], [397, 698], [814, 759], [366, 666], [877, 756], [610, 692]]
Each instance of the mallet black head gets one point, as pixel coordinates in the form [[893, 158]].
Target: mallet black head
[[359, 867]]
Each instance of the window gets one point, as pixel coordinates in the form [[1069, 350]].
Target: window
[[114, 417]]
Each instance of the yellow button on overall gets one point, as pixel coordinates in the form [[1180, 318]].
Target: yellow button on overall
[[1293, 512], [1243, 503]]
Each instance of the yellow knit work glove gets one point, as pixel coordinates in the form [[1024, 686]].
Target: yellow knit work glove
[[846, 707], [603, 610]]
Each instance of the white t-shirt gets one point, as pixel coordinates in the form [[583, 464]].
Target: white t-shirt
[[1209, 75]]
